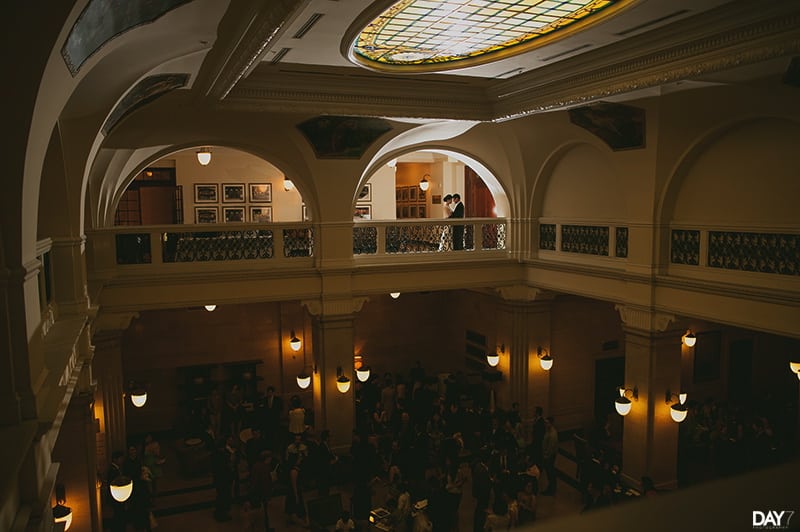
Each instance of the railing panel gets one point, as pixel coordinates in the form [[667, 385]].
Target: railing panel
[[216, 245]]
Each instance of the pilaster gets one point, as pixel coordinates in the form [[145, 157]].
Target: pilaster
[[653, 366]]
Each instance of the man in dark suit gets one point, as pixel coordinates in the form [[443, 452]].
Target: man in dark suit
[[481, 490], [273, 410], [458, 230]]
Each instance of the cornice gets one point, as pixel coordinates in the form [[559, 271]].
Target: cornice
[[710, 42]]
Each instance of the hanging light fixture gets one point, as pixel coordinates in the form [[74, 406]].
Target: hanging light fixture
[[623, 403], [287, 184], [62, 513], [295, 342], [121, 488], [394, 295], [493, 359], [545, 360], [138, 396], [424, 184], [679, 409], [303, 380], [362, 373], [210, 308], [342, 382], [689, 339], [204, 156]]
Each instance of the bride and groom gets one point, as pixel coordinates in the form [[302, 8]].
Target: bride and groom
[[453, 208]]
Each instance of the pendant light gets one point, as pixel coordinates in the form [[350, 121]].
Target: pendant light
[[204, 156]]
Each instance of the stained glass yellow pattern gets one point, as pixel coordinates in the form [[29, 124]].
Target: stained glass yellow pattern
[[437, 32]]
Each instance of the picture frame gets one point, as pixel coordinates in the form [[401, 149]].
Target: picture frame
[[206, 193], [261, 214], [436, 199], [206, 215], [365, 194], [261, 192], [412, 193], [363, 211], [233, 214], [404, 194], [233, 193]]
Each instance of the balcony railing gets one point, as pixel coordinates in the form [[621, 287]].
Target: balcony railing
[[173, 244]]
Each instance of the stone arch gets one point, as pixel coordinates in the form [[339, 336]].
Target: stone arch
[[561, 189]]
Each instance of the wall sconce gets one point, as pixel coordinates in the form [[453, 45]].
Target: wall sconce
[[795, 367], [204, 156], [304, 379], [424, 184], [677, 410], [294, 342], [493, 359], [394, 295], [210, 308], [61, 513], [342, 382], [121, 488], [689, 339], [287, 184], [623, 402], [138, 395], [545, 360], [362, 371]]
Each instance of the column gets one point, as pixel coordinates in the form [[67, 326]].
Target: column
[[653, 366], [110, 393], [524, 325], [333, 339], [69, 275]]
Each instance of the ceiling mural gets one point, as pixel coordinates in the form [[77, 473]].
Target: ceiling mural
[[342, 137], [143, 93], [102, 20]]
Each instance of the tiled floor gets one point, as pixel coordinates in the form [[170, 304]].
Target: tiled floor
[[187, 503]]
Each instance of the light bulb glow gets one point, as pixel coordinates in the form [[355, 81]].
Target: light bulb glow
[[623, 405], [795, 367], [295, 342], [121, 489], [138, 398], [287, 184], [343, 384], [210, 308], [690, 339], [424, 184], [682, 398], [493, 360], [678, 413], [303, 381], [62, 514], [362, 373], [394, 295], [546, 362], [204, 156]]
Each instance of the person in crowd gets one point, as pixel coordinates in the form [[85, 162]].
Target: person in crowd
[[296, 455], [153, 460], [499, 517], [297, 417], [526, 501], [261, 484], [271, 419], [537, 436], [458, 230], [446, 240], [481, 491], [224, 472], [549, 453]]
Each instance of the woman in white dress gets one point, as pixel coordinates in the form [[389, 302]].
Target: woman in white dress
[[446, 240]]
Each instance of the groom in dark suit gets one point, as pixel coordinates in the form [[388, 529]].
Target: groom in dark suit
[[458, 230]]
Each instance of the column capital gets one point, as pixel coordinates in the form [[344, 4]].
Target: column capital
[[110, 323], [524, 293], [644, 319], [334, 307]]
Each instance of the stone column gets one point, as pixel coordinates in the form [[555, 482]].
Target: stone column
[[107, 369], [333, 338], [69, 275], [524, 325], [653, 366]]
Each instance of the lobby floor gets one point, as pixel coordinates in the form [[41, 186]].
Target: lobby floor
[[186, 502]]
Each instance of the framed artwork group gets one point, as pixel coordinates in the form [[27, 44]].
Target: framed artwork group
[[209, 196]]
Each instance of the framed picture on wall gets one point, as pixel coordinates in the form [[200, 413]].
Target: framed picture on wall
[[206, 215], [261, 192], [233, 214], [205, 193], [412, 193], [304, 214], [260, 214], [233, 193], [363, 211], [366, 193]]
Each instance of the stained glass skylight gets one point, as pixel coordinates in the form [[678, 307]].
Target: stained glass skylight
[[428, 35]]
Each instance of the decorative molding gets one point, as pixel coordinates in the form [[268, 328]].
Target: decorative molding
[[643, 318], [112, 322], [519, 292], [334, 307]]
